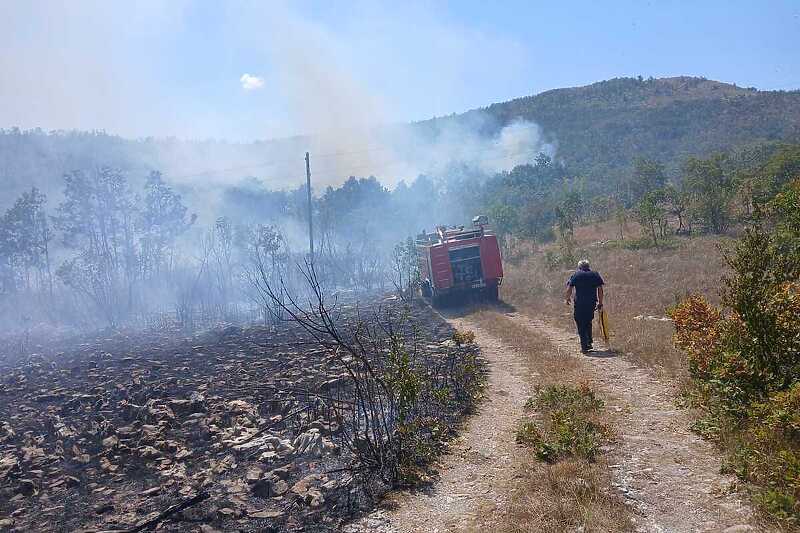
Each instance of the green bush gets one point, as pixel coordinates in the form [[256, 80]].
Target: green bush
[[745, 358], [568, 427]]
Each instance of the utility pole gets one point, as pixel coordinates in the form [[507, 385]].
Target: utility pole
[[310, 220]]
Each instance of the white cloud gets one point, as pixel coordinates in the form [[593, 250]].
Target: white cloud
[[251, 83]]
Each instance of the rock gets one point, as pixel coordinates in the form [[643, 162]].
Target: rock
[[268, 457], [265, 514], [6, 432], [102, 508], [150, 492], [282, 473], [254, 474], [111, 442], [280, 487], [740, 528], [126, 432], [313, 444], [148, 452], [6, 522], [224, 465], [8, 463], [227, 512], [107, 465], [306, 492], [240, 407], [79, 456]]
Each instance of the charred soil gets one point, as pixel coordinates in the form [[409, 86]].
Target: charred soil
[[232, 428]]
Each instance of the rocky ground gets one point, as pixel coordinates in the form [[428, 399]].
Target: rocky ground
[[225, 430]]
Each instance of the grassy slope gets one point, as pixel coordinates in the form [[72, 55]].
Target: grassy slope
[[638, 283]]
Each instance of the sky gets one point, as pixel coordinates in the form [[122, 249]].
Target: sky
[[242, 70]]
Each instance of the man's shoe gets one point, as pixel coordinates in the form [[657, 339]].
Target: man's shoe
[[584, 351]]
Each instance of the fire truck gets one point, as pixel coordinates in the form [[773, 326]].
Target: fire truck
[[455, 260]]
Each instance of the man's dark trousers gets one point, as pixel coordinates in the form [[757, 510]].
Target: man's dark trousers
[[583, 319]]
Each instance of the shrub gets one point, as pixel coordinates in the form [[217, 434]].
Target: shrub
[[568, 427], [745, 358], [463, 337]]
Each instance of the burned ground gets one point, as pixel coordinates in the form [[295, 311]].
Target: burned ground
[[235, 423]]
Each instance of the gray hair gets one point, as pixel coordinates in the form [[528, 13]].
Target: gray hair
[[583, 264]]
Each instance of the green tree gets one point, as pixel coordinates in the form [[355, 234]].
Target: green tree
[[648, 175], [676, 202], [651, 214], [712, 190]]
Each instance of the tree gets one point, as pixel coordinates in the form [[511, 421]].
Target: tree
[[161, 221], [676, 202], [711, 191], [96, 220], [652, 215], [266, 267], [648, 175], [24, 240]]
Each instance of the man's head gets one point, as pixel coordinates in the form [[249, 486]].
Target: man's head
[[583, 264]]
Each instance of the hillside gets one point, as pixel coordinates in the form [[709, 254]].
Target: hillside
[[600, 128]]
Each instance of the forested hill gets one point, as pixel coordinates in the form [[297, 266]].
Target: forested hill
[[600, 128]]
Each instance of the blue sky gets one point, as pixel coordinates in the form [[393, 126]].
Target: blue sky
[[175, 68]]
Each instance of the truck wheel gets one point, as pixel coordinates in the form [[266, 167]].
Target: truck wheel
[[492, 294], [436, 299]]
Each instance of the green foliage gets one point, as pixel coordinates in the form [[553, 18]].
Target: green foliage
[[712, 191], [581, 398], [744, 359], [404, 380], [652, 215], [24, 239], [420, 442], [425, 401], [648, 176], [405, 266], [568, 427]]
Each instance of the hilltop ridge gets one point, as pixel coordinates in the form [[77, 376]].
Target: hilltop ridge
[[600, 128]]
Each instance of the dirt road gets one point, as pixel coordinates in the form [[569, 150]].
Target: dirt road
[[668, 475]]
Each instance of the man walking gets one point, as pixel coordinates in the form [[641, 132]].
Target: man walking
[[588, 286]]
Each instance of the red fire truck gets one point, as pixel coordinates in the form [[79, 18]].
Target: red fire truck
[[456, 260]]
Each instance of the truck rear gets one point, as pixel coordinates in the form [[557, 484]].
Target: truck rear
[[462, 261]]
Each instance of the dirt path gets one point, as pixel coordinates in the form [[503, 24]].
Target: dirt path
[[479, 467], [667, 474]]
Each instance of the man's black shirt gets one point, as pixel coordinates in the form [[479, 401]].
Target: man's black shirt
[[585, 283]]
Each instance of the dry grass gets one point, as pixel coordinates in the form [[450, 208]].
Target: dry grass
[[638, 283], [572, 494], [565, 497]]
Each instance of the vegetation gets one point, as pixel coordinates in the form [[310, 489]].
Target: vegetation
[[402, 405], [601, 129], [744, 356], [567, 427], [572, 492]]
